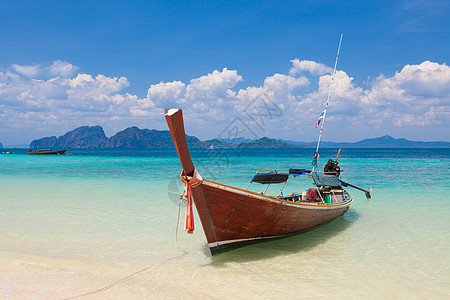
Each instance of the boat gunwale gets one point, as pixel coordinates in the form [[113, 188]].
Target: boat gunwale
[[273, 199]]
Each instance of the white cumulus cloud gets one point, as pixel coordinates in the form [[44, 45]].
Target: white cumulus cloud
[[416, 100], [62, 68], [213, 85], [208, 96], [167, 93], [315, 68], [29, 71], [418, 95]]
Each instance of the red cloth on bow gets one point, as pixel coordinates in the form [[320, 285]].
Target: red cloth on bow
[[194, 181]]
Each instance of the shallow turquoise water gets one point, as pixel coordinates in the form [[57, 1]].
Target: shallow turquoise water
[[72, 224]]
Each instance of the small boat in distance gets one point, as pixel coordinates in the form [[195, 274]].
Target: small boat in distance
[[48, 151]]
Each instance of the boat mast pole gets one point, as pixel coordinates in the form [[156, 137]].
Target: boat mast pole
[[316, 155]]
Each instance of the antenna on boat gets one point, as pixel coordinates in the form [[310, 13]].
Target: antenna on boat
[[322, 117]]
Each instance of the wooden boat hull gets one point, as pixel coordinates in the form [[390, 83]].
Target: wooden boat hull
[[232, 217]]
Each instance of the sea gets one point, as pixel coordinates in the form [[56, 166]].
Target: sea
[[108, 224]]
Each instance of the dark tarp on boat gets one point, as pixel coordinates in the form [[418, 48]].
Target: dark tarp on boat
[[270, 178], [298, 171], [325, 180]]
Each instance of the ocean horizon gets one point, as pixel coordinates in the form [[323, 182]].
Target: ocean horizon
[[102, 224]]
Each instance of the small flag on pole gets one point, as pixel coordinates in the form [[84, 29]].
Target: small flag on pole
[[322, 116]]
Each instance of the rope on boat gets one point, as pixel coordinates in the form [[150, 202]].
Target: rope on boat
[[178, 219], [318, 192]]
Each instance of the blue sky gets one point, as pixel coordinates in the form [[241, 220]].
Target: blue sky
[[118, 64]]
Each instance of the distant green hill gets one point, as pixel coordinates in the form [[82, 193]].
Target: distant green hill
[[379, 142], [133, 137], [266, 142], [130, 138], [82, 137]]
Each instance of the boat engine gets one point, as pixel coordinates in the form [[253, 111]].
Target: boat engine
[[332, 168]]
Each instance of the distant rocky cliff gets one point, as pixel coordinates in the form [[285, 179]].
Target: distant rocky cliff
[[82, 137], [133, 137], [1, 146], [386, 141], [266, 142], [44, 143]]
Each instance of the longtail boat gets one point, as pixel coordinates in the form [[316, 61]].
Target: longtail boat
[[48, 151], [232, 216]]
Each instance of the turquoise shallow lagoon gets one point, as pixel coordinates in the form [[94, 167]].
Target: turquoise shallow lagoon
[[76, 223]]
